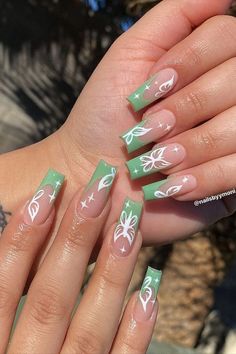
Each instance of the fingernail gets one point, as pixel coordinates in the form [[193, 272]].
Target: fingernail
[[172, 186], [154, 127], [38, 209], [127, 227], [147, 297], [159, 158], [95, 195], [153, 89]]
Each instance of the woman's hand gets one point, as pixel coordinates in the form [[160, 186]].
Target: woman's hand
[[45, 324], [201, 64]]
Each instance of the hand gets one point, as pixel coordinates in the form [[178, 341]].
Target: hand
[[102, 113], [45, 324], [201, 71]]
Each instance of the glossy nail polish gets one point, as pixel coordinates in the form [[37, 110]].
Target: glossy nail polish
[[39, 207], [159, 158], [152, 128], [127, 227], [95, 195], [172, 186], [148, 295], [153, 89]]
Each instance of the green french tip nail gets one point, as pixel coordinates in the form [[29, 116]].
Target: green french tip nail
[[152, 282], [131, 209], [53, 178], [105, 173], [153, 89], [150, 190], [131, 136]]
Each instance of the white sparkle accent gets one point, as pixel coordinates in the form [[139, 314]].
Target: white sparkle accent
[[135, 171], [133, 324], [90, 198], [136, 96], [160, 125], [83, 204], [176, 149], [156, 280], [52, 196], [123, 250], [168, 127], [147, 87], [156, 82], [185, 179], [58, 183], [127, 205]]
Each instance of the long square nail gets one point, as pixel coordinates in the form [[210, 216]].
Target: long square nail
[[170, 187], [127, 227], [148, 295], [39, 207], [155, 160], [153, 89], [95, 195], [154, 127]]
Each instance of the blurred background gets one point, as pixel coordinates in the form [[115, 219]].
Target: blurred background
[[48, 49]]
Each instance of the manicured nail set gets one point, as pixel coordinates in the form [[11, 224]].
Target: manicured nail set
[[96, 194]]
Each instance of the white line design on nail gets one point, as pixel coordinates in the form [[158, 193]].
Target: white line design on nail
[[170, 191], [107, 180], [165, 87], [147, 292], [154, 160], [126, 227], [33, 207], [136, 131]]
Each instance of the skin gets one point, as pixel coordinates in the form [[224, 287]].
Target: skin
[[101, 113]]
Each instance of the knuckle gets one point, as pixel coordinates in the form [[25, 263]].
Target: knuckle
[[208, 140], [21, 240], [197, 101], [225, 25], [111, 278], [75, 237], [85, 342], [47, 306], [219, 174]]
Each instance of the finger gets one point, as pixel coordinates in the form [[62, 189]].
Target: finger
[[197, 182], [55, 289], [162, 81], [199, 101], [93, 327], [158, 27], [137, 325], [199, 53], [19, 245]]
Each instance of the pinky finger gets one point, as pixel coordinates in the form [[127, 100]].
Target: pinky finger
[[137, 325]]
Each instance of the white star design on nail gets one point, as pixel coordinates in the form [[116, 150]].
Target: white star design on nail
[[185, 179], [90, 198], [160, 125], [123, 250], [168, 127], [58, 183], [137, 95], [52, 196], [135, 171], [156, 280], [176, 149], [83, 204], [127, 204], [147, 87]]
